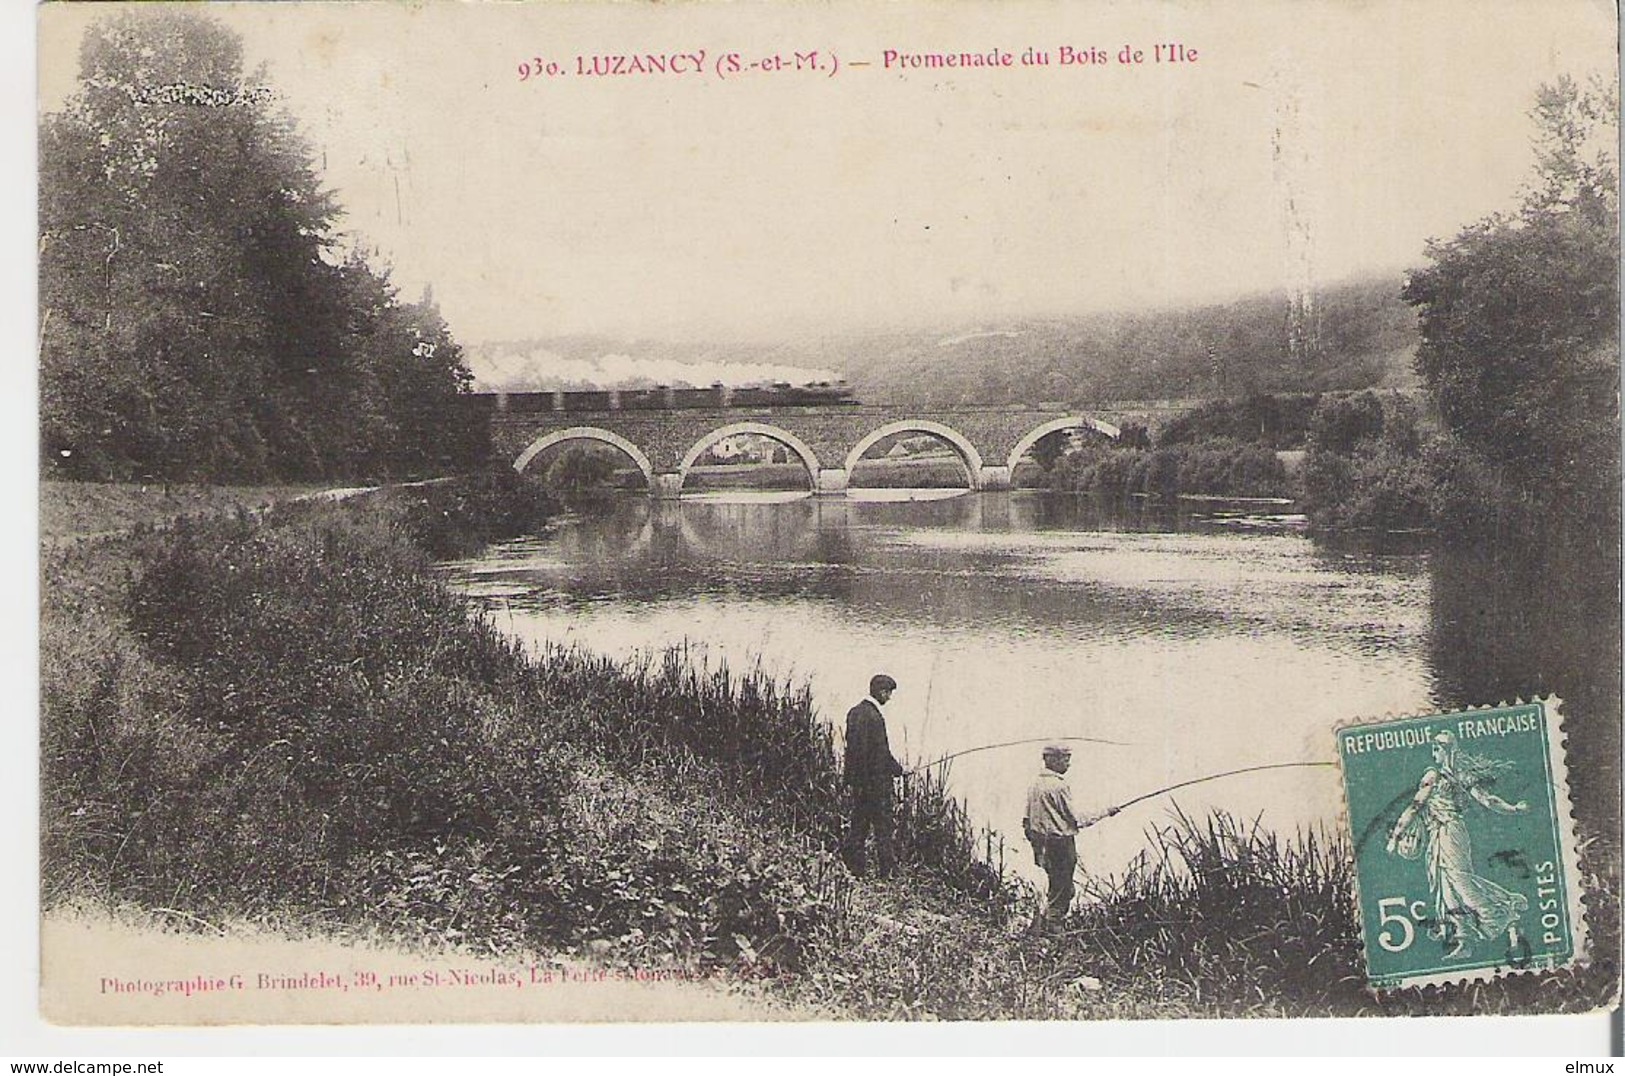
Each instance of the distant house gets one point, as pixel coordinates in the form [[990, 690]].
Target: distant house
[[733, 450], [746, 448]]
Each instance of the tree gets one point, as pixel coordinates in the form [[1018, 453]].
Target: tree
[[418, 373], [176, 213], [198, 319], [1339, 423], [1518, 313], [1051, 447], [581, 470]]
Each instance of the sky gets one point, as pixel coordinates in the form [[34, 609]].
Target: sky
[[1306, 143]]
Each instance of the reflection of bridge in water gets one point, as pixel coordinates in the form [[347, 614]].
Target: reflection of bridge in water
[[777, 530], [827, 439]]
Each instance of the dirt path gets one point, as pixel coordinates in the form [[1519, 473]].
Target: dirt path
[[85, 511]]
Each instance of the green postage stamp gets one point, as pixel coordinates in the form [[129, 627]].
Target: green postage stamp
[[1464, 844]]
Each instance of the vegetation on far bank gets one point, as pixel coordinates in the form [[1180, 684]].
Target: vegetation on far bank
[[1218, 467], [1519, 354], [1518, 360]]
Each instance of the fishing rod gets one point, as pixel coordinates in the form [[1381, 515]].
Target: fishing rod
[[1215, 777], [1078, 870], [1018, 743]]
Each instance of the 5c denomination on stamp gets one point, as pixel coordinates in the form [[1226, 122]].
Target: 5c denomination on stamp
[[1465, 863]]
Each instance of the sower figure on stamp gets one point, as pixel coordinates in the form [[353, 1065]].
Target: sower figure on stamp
[[1466, 905], [870, 768], [1051, 824]]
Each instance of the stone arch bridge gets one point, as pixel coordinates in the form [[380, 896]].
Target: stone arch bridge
[[828, 439]]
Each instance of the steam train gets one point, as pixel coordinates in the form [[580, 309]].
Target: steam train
[[666, 397]]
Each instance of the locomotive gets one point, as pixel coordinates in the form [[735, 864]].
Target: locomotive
[[666, 397]]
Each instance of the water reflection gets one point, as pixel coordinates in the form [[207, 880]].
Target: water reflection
[[1205, 638], [1538, 614]]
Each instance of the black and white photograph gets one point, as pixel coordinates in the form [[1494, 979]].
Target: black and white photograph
[[830, 513]]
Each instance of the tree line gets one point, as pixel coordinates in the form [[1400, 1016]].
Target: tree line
[[1362, 334], [1519, 313], [201, 318], [1519, 353], [1516, 320]]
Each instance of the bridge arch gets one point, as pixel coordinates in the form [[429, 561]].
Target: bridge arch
[[809, 458], [1071, 422], [967, 451], [587, 433]]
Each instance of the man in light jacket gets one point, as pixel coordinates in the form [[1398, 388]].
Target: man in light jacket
[[1051, 824]]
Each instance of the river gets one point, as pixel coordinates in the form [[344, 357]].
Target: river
[[1198, 639]]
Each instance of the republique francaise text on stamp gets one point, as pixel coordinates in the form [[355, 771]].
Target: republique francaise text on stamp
[[1464, 845]]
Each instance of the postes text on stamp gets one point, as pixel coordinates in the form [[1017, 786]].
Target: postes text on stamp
[[1464, 844]]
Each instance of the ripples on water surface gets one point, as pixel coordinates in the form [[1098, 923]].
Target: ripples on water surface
[[1206, 640]]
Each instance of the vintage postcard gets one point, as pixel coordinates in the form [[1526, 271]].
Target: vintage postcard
[[563, 513]]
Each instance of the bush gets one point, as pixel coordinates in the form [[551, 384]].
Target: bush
[[1395, 474], [1379, 487], [1093, 469], [1328, 484], [1466, 496], [459, 518], [1217, 468], [580, 470], [298, 718], [1265, 419], [1341, 422], [317, 661]]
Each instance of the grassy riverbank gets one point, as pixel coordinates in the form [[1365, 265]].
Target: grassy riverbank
[[288, 719]]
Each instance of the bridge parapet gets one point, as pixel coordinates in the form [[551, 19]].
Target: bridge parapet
[[828, 439]]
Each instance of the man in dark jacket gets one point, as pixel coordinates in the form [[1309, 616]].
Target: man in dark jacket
[[870, 768]]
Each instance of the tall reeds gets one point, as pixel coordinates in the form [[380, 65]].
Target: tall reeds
[[936, 833], [1219, 910], [294, 716]]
